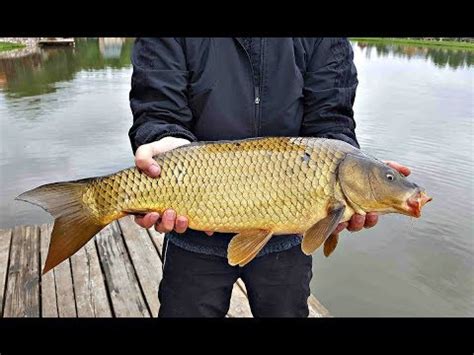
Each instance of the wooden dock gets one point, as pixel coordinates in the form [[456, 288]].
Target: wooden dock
[[116, 274], [56, 41]]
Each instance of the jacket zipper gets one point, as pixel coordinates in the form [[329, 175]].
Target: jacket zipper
[[257, 98], [257, 95], [257, 110]]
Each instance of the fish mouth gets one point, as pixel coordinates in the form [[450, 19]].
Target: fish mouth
[[415, 203]]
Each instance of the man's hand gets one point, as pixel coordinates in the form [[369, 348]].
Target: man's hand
[[145, 162], [357, 222], [145, 153]]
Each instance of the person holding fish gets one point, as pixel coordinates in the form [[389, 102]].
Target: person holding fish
[[246, 157], [188, 90]]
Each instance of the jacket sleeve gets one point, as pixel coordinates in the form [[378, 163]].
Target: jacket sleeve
[[330, 84], [158, 97]]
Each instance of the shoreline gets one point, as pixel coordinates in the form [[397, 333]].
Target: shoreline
[[416, 42], [12, 43], [16, 47], [9, 46]]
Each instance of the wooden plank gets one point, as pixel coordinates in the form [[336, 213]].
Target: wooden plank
[[145, 260], [65, 290], [5, 239], [316, 309], [49, 307], [22, 293], [56, 41], [158, 239], [239, 303], [23, 251], [89, 284], [241, 285], [124, 291]]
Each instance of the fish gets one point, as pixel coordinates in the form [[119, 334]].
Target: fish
[[256, 188]]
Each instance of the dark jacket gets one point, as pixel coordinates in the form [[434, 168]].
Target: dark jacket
[[213, 89]]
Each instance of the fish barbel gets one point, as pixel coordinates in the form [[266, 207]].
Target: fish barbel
[[256, 187]]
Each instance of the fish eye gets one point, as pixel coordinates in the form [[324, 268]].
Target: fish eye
[[390, 177]]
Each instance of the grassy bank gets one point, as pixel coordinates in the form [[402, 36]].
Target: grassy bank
[[6, 46], [416, 42]]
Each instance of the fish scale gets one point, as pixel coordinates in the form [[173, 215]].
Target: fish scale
[[227, 187]]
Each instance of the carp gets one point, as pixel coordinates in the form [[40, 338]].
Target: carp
[[256, 188]]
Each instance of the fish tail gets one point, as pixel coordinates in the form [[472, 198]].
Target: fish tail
[[74, 223]]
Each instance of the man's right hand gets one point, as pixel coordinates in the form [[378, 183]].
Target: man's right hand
[[145, 162]]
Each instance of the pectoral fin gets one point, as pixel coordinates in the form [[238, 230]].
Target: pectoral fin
[[317, 234], [330, 244], [246, 245]]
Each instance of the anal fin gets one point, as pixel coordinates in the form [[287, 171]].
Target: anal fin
[[246, 245]]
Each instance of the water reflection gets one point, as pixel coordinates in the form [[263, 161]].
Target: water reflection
[[441, 57], [111, 47], [37, 72]]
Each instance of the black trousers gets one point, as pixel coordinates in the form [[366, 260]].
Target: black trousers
[[198, 285]]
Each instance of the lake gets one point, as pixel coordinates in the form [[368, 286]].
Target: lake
[[64, 114]]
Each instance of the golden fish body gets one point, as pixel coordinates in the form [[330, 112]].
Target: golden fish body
[[277, 184], [255, 187]]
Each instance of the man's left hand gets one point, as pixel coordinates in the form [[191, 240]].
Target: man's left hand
[[357, 222]]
